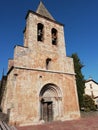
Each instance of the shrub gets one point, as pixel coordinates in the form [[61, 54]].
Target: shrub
[[88, 103]]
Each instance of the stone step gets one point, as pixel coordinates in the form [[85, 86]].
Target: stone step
[[5, 126]]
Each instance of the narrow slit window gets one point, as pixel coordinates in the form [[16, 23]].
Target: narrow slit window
[[90, 86], [54, 36], [40, 32], [48, 60]]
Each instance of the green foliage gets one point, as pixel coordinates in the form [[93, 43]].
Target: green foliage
[[88, 103], [80, 82]]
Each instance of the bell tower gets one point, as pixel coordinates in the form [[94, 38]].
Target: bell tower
[[45, 36]]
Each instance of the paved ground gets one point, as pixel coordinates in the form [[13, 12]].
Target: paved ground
[[87, 123]]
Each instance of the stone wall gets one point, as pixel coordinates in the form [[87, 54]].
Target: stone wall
[[24, 88]]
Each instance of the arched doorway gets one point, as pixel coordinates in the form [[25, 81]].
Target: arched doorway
[[50, 102]]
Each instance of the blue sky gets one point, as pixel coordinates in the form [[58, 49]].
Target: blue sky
[[80, 19]]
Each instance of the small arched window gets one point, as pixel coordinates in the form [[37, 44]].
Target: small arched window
[[54, 36], [48, 60], [40, 32]]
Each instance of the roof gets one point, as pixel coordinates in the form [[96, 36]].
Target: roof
[[91, 80], [43, 11], [30, 11]]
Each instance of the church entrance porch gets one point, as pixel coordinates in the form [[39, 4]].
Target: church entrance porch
[[50, 103]]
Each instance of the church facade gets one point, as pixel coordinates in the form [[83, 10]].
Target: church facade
[[41, 82]]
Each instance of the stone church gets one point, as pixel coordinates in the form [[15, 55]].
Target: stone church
[[40, 83]]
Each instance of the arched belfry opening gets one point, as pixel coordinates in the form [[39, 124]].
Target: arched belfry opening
[[50, 102], [40, 28], [54, 36]]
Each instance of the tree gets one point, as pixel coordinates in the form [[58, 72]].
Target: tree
[[88, 103], [80, 82]]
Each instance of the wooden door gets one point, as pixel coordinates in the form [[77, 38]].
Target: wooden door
[[50, 112], [47, 111]]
